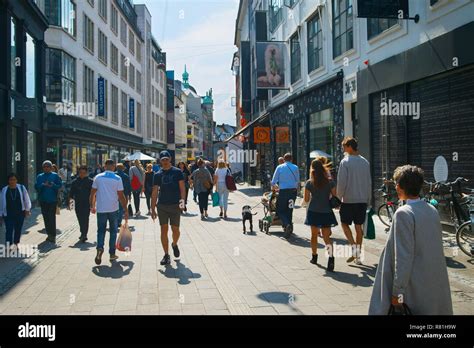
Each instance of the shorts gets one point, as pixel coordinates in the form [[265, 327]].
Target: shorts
[[169, 214], [353, 212]]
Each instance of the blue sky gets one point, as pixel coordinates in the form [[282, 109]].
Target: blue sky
[[200, 34]]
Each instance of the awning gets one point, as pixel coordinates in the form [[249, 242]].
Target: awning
[[260, 119]]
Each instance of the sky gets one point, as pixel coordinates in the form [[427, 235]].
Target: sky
[[200, 34]]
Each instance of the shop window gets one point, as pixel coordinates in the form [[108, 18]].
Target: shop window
[[321, 132]]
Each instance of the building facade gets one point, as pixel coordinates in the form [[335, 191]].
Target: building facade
[[340, 68], [22, 87], [101, 71]]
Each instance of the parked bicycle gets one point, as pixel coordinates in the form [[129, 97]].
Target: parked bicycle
[[238, 178], [386, 210], [462, 214]]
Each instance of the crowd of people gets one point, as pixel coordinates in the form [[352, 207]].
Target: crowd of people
[[412, 268]]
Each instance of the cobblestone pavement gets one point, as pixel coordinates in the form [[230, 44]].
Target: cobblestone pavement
[[220, 271]]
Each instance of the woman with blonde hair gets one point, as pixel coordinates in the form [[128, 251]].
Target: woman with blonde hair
[[320, 216], [221, 187], [137, 180]]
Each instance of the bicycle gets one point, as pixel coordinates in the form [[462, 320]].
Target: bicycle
[[465, 232], [238, 178], [386, 210]]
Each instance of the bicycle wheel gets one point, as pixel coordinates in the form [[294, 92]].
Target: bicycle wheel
[[465, 238], [385, 214]]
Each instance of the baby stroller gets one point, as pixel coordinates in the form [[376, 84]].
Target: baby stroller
[[271, 218]]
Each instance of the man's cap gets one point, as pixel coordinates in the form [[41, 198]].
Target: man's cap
[[165, 154], [47, 163]]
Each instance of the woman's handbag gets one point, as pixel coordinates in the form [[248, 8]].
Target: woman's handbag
[[136, 184], [215, 199], [230, 182], [124, 240], [334, 202], [207, 185], [399, 310]]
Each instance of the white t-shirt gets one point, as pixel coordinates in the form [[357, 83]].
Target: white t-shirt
[[221, 174], [108, 184]]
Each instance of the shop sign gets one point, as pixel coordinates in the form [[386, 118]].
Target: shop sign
[[261, 135]]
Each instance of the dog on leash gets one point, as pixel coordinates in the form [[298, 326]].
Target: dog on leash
[[247, 215]]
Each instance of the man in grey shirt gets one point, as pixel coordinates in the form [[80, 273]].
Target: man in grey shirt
[[354, 188]]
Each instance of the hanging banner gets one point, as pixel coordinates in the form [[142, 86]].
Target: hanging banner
[[261, 135], [131, 107], [101, 97], [282, 135], [271, 59]]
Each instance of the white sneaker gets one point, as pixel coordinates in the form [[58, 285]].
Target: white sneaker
[[358, 261], [138, 214]]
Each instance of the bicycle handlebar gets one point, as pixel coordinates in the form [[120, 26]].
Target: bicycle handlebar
[[449, 184]]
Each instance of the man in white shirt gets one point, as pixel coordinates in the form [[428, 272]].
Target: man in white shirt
[[107, 191]]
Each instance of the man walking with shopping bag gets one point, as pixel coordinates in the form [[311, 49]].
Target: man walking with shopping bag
[[107, 191]]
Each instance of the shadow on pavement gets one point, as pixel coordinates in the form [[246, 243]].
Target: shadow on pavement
[[280, 297], [83, 246], [361, 279], [251, 191], [116, 270], [230, 219], [452, 263], [181, 272], [45, 246]]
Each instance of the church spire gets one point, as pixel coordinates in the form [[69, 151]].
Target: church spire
[[185, 78]]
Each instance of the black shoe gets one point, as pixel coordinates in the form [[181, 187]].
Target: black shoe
[[288, 231], [83, 239], [98, 258], [331, 264], [166, 260], [51, 240], [221, 214], [175, 250], [314, 260]]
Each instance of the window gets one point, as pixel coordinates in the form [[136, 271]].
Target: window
[[88, 34], [131, 42], [275, 13], [60, 76], [321, 131], [114, 58], [124, 103], [103, 9], [113, 19], [139, 82], [295, 58], [315, 44], [13, 54], [88, 85], [123, 31], [433, 2], [342, 27], [152, 124], [115, 105], [68, 17], [132, 76], [139, 118], [123, 67], [30, 67], [139, 50], [375, 26], [102, 47]]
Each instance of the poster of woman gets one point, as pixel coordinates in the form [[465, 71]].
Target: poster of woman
[[271, 65]]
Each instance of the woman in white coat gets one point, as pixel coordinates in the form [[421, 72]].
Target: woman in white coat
[[15, 205], [412, 268]]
